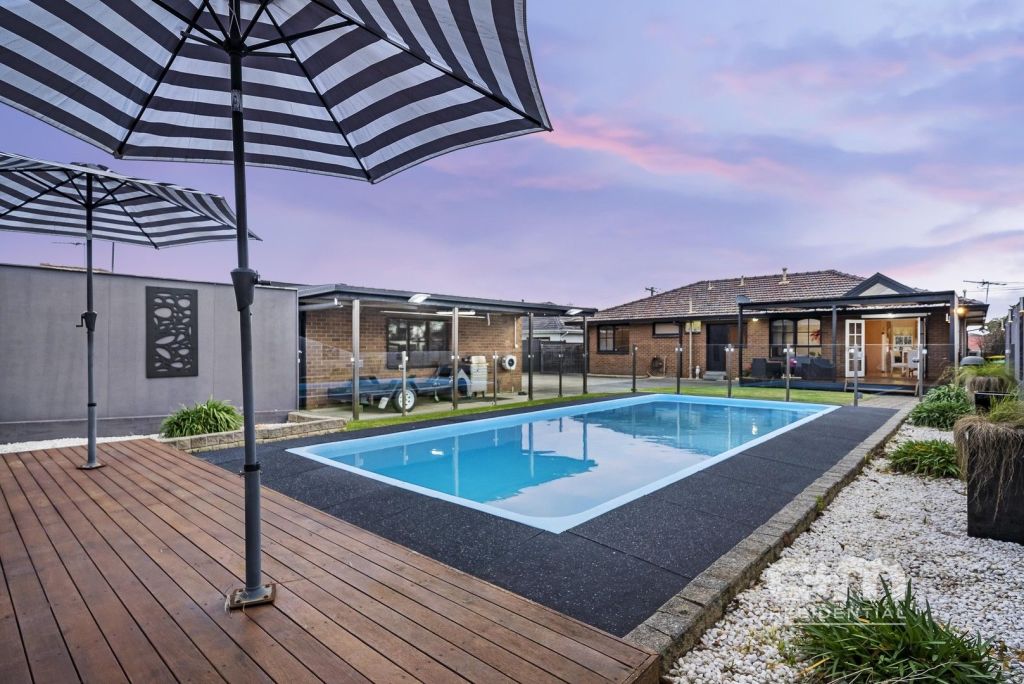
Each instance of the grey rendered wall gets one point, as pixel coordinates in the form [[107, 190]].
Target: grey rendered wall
[[42, 353]]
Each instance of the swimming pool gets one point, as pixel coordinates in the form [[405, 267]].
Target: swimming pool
[[556, 468]]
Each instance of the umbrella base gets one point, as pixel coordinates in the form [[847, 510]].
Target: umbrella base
[[240, 598], [94, 466]]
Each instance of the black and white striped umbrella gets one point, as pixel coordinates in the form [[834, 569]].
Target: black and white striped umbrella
[[359, 88], [48, 198], [355, 88], [88, 201]]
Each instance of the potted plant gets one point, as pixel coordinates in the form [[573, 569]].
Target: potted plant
[[990, 448], [987, 382]]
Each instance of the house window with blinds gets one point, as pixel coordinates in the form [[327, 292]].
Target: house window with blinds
[[803, 335], [613, 339], [426, 342]]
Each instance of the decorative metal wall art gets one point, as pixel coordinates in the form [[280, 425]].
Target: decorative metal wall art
[[172, 333]]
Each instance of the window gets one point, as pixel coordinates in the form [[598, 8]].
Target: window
[[666, 330], [426, 342], [613, 339], [803, 335]]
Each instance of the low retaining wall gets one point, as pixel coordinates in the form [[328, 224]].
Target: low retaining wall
[[264, 433], [678, 625]]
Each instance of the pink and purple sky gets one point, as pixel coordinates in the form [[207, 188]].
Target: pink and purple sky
[[692, 140]]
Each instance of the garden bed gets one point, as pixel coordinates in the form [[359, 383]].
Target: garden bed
[[301, 426], [902, 527]]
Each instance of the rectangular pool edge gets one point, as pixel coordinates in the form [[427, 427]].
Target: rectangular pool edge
[[559, 524]]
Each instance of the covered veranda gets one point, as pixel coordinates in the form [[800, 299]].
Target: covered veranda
[[381, 351], [902, 342]]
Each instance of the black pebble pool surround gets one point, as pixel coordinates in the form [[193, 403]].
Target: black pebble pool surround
[[612, 571]]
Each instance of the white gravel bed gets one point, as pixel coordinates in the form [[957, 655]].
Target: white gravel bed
[[58, 443], [901, 526]]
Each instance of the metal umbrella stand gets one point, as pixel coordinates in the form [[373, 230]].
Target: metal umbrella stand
[[359, 90], [86, 200]]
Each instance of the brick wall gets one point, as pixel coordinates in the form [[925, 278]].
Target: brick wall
[[650, 347], [756, 346], [329, 346]]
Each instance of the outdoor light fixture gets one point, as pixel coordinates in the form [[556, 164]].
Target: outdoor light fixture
[[418, 298], [961, 311]]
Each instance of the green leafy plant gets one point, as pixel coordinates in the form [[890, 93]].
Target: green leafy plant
[[890, 640], [941, 414], [946, 392], [932, 457], [1007, 411], [212, 415]]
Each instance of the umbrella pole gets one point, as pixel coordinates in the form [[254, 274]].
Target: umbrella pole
[[244, 280], [89, 321]]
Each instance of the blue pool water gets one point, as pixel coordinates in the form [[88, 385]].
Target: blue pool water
[[557, 468]]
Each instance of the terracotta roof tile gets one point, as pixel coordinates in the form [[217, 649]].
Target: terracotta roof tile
[[718, 297]]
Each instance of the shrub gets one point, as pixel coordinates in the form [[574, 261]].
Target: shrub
[[947, 392], [941, 414], [890, 640], [988, 377], [212, 415], [932, 457], [1008, 411]]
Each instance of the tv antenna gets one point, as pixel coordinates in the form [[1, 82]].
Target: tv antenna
[[987, 284], [653, 290]]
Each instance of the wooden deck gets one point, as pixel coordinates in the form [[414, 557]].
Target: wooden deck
[[119, 574]]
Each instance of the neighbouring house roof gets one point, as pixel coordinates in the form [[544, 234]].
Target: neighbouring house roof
[[718, 297], [343, 293], [553, 325]]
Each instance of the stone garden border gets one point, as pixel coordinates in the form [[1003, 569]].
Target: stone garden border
[[678, 625], [298, 425]]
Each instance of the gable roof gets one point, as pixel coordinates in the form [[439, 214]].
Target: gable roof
[[880, 284], [718, 297]]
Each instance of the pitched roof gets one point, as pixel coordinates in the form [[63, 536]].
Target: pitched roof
[[718, 297]]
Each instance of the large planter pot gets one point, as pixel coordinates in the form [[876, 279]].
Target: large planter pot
[[982, 388], [992, 459]]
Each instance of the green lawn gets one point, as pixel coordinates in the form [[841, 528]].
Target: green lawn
[[768, 394], [765, 393]]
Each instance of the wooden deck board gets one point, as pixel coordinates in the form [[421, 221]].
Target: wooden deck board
[[119, 574]]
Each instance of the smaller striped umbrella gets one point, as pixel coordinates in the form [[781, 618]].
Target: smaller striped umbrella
[[87, 201]]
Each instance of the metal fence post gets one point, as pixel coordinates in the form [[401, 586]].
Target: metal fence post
[[405, 379], [729, 349], [679, 370], [921, 356], [455, 358], [356, 363], [495, 395], [855, 355], [561, 356], [789, 353], [634, 368]]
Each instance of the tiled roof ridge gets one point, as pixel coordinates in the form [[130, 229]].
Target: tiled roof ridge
[[695, 283]]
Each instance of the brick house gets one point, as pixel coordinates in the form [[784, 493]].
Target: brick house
[[820, 316], [429, 328]]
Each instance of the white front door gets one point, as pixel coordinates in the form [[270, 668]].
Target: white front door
[[854, 338]]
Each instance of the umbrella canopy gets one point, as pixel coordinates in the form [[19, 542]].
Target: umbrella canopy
[[88, 201], [52, 199], [361, 89], [355, 88]]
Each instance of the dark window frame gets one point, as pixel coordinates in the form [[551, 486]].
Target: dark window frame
[[791, 337], [614, 330], [428, 356]]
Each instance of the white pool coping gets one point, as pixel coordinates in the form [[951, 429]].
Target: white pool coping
[[556, 524]]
